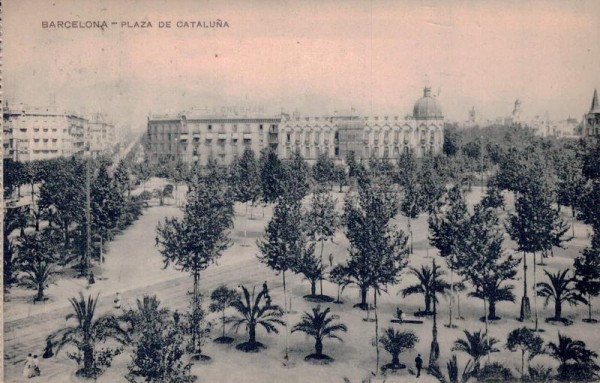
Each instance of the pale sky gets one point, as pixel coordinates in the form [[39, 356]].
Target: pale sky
[[310, 56]]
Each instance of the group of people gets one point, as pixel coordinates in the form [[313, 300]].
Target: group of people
[[32, 367]]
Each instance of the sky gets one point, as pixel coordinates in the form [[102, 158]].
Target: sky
[[314, 57]]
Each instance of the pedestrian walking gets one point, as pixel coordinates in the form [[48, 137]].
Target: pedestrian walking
[[117, 301], [266, 292], [48, 350], [419, 364], [27, 367], [91, 279], [35, 365]]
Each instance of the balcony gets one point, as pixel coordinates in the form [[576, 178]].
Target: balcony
[[247, 136], [222, 137], [209, 136]]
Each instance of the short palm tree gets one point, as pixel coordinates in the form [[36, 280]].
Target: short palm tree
[[87, 333], [476, 345], [395, 342], [453, 372], [561, 289], [319, 324], [253, 313], [148, 314], [37, 275], [573, 358], [429, 280], [493, 290]]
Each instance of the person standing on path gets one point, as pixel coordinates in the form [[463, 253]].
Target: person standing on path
[[419, 364], [27, 367], [35, 368], [117, 300]]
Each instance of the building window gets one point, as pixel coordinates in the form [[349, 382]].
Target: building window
[[209, 128], [289, 137], [234, 128], [336, 151], [260, 127]]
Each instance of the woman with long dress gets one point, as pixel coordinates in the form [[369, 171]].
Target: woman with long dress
[[27, 367]]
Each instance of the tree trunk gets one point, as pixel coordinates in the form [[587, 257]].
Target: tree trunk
[[88, 359], [557, 310], [535, 309], [525, 306], [319, 347], [410, 250], [223, 318], [590, 307], [286, 316], [395, 359], [338, 295], [321, 277], [427, 302], [363, 296], [522, 364], [376, 329], [313, 287], [451, 297], [40, 292], [252, 334], [492, 310], [196, 309]]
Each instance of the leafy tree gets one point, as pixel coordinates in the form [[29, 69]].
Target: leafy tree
[[14, 176], [377, 247], [395, 342], [447, 230], [526, 341], [254, 313], [340, 176], [38, 253], [587, 272], [106, 203], [271, 176], [432, 184], [121, 177], [311, 267], [248, 186], [429, 279], [476, 345], [589, 202], [14, 219], [323, 170], [413, 200], [339, 275], [157, 353], [285, 241], [320, 325], [493, 198], [87, 333], [482, 262], [561, 289], [296, 178], [200, 237], [452, 140], [577, 363], [321, 221], [223, 297]]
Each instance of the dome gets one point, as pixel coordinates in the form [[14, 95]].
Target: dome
[[427, 107]]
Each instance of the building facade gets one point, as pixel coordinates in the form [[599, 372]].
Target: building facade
[[100, 135], [38, 134], [591, 120], [197, 138]]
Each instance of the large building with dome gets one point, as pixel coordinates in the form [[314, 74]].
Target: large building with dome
[[194, 138]]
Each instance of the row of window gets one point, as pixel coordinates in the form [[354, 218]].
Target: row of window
[[220, 128]]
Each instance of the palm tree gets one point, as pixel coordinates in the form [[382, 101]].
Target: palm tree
[[320, 326], [561, 289], [394, 342], [476, 345], [452, 367], [573, 357], [37, 276], [494, 292], [148, 314], [253, 313], [87, 333], [429, 279]]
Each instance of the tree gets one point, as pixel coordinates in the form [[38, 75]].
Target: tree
[[526, 341], [452, 140], [200, 237], [121, 177], [577, 363], [447, 229], [312, 268], [453, 369], [476, 345], [253, 313], [322, 221], [295, 178], [157, 347], [14, 219], [587, 272], [395, 342], [320, 325], [271, 176], [377, 247], [561, 289], [323, 170], [285, 240], [87, 333], [429, 279], [248, 186], [38, 253], [106, 204], [339, 275], [482, 261], [493, 198], [413, 201], [340, 176], [223, 297]]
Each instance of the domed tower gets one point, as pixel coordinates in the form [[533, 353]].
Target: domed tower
[[429, 124]]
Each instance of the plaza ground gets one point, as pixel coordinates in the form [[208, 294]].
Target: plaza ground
[[134, 268]]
